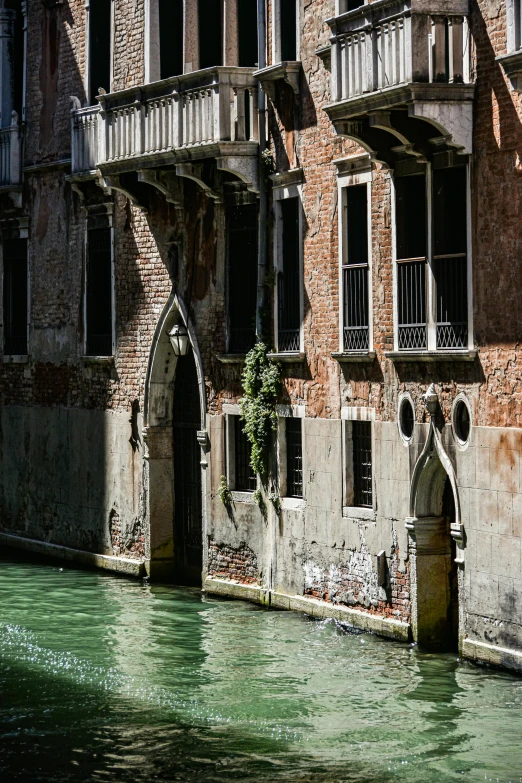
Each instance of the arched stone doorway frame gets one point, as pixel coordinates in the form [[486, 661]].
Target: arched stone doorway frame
[[430, 541], [158, 479]]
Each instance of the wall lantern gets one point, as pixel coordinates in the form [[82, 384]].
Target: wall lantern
[[179, 339]]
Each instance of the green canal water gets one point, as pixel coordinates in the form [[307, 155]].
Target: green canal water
[[105, 679]]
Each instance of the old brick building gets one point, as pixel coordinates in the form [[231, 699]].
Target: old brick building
[[355, 187]]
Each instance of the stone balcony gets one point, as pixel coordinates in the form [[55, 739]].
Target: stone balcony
[[401, 77], [11, 159], [176, 123]]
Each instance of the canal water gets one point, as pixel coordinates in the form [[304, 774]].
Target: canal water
[[107, 679]]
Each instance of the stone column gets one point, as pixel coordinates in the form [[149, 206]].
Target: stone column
[[190, 36], [230, 33], [160, 474], [7, 21]]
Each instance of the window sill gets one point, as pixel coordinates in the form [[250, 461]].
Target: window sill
[[431, 356], [242, 496], [287, 71], [231, 358], [290, 357], [12, 358], [359, 512], [97, 359], [354, 356], [293, 504]]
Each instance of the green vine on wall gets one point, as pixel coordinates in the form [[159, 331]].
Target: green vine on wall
[[262, 386]]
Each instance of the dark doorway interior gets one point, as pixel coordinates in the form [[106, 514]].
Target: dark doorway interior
[[448, 511], [210, 35], [247, 33], [99, 47], [188, 529]]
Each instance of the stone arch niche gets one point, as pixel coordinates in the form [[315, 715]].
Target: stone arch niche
[[159, 479], [435, 541]]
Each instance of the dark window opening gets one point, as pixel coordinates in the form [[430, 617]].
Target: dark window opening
[[406, 418], [15, 296], [355, 271], [245, 478], [411, 238], [210, 36], [462, 421], [171, 37], [294, 458], [242, 278], [18, 66], [353, 4], [450, 256], [288, 282], [247, 33], [362, 463], [99, 47], [99, 293], [288, 21]]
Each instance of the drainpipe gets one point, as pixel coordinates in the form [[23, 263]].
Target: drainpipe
[[262, 247]]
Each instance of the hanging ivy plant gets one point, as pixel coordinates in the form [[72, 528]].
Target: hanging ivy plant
[[262, 386]]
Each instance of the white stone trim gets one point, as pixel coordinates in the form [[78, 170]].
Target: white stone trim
[[231, 408], [278, 195], [276, 30], [405, 396], [356, 413], [461, 397]]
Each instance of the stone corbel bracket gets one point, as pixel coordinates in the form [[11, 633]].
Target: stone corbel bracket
[[512, 65], [245, 167], [113, 182], [164, 183], [287, 71], [192, 171]]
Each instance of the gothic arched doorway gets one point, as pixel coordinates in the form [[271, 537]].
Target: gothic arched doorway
[[188, 512], [434, 572]]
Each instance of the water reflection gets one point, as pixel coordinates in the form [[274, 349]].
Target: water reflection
[[108, 679]]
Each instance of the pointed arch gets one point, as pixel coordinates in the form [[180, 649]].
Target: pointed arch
[[429, 475]]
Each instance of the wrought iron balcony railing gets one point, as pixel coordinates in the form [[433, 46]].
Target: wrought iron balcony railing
[[177, 119]]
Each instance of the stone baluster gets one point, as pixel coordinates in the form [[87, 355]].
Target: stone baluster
[[7, 20]]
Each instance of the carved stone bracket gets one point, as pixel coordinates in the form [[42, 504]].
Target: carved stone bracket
[[193, 171], [288, 72], [113, 182], [165, 182], [245, 167]]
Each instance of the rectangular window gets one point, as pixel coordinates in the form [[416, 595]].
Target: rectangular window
[[242, 278], [15, 296], [170, 37], [288, 281], [288, 29], [210, 35], [99, 293], [411, 243], [245, 478], [247, 33], [99, 47], [450, 257], [362, 463], [294, 457], [356, 270]]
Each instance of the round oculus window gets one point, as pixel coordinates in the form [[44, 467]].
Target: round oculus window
[[461, 421], [406, 418]]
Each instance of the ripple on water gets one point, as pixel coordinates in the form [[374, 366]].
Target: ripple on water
[[104, 678]]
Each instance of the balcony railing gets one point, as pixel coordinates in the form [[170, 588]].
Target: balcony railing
[[181, 113], [389, 43], [10, 154]]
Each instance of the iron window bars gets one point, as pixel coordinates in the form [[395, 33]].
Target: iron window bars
[[288, 279], [362, 463], [449, 264], [355, 270], [245, 478], [294, 458]]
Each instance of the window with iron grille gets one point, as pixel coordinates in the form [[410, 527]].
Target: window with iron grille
[[411, 238], [15, 296], [245, 478], [450, 257], [362, 463], [288, 281], [98, 300], [242, 278], [447, 321], [355, 270], [294, 458]]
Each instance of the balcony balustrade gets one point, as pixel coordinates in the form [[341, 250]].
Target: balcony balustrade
[[11, 155], [206, 114], [403, 54]]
